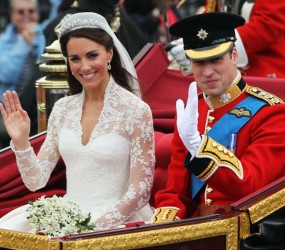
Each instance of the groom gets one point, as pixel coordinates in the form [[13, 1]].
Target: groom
[[227, 140]]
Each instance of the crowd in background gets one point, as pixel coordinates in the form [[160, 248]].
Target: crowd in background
[[145, 12], [44, 10]]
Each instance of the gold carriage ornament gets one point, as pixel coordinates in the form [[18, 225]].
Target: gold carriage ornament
[[53, 86]]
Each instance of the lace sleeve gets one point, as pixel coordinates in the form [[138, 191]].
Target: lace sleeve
[[35, 170], [141, 172]]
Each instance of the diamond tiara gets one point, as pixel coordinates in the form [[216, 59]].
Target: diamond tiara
[[75, 24]]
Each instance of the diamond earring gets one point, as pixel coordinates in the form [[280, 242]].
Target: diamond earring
[[109, 65]]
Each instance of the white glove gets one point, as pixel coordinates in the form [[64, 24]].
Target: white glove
[[187, 120], [178, 53]]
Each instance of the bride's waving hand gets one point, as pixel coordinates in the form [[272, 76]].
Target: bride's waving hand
[[16, 120]]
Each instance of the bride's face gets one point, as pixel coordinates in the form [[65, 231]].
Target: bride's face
[[88, 62]]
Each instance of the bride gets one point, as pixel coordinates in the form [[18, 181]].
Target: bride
[[103, 131]]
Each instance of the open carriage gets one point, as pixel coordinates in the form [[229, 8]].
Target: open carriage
[[255, 222]]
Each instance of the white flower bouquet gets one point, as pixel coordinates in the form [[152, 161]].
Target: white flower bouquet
[[56, 217]]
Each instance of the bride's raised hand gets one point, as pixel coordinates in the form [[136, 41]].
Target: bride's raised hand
[[16, 120]]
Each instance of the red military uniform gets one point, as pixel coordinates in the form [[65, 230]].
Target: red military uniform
[[263, 37], [229, 176]]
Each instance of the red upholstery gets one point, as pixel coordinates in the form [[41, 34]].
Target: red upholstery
[[161, 88], [162, 155]]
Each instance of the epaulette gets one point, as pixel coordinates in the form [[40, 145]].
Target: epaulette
[[264, 95]]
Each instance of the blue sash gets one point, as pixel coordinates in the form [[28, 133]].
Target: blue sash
[[226, 129]]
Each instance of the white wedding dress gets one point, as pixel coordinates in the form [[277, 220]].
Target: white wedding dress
[[111, 176]]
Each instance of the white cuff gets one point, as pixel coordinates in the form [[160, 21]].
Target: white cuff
[[19, 151]]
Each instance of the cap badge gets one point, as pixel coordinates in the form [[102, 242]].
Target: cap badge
[[202, 34]]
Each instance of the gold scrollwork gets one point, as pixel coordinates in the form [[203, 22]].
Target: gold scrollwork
[[157, 237], [42, 107], [25, 241], [267, 206]]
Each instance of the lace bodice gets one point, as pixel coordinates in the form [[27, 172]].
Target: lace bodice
[[112, 175]]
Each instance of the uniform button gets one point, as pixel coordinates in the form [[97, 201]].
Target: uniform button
[[274, 100], [231, 154], [208, 202], [209, 190], [208, 129], [211, 119], [214, 144], [220, 148]]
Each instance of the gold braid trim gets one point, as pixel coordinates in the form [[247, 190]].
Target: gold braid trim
[[211, 6], [208, 171], [264, 95], [165, 214], [181, 2], [234, 91], [220, 156]]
